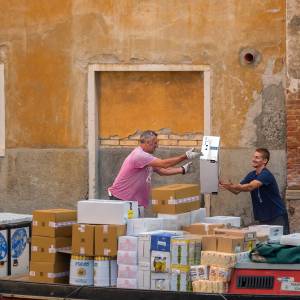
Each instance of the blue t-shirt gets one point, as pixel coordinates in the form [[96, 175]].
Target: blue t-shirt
[[266, 200]]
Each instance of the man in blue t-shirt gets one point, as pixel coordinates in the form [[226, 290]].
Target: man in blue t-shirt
[[268, 207]]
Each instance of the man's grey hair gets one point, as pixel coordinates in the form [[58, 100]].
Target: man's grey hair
[[147, 135]]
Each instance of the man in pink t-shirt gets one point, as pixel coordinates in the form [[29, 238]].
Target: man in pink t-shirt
[[134, 179]]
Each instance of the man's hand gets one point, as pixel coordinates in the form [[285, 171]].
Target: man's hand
[[187, 168], [191, 154]]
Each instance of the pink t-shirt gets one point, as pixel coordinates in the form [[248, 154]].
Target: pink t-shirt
[[134, 179]]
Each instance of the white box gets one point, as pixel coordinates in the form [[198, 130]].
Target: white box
[[274, 232], [198, 215], [179, 280], [160, 281], [127, 271], [139, 225], [19, 250], [126, 283], [127, 257], [105, 272], [232, 220], [144, 242], [183, 219], [144, 277], [290, 239], [169, 224], [108, 212], [128, 243], [160, 261], [3, 253]]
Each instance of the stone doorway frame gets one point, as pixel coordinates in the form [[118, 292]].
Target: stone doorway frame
[[92, 97]]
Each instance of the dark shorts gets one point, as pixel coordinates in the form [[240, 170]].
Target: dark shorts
[[280, 220]]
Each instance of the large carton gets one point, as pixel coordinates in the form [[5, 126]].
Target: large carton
[[110, 212], [83, 239], [160, 281], [230, 244], [49, 272], [46, 249], [53, 222], [186, 250], [162, 241], [106, 239], [175, 198], [180, 279], [183, 219], [227, 220], [144, 281], [202, 228], [139, 225], [209, 243], [243, 233]]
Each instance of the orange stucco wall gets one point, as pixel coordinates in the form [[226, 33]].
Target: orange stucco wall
[[131, 101], [46, 47]]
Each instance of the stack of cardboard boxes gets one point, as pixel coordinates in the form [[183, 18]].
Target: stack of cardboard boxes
[[95, 239], [220, 252], [51, 233]]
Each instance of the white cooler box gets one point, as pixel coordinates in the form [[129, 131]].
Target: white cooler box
[[108, 212]]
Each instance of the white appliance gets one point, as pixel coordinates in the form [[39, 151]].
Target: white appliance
[[209, 165]]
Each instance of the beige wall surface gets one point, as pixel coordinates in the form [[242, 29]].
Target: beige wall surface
[[47, 45]]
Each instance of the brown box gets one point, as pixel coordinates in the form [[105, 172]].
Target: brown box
[[202, 228], [106, 239], [243, 233], [172, 199], [83, 239], [45, 249], [209, 242], [230, 244], [53, 222], [50, 272]]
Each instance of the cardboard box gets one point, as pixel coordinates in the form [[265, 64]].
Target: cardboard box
[[160, 281], [144, 278], [109, 212], [128, 243], [175, 198], [186, 250], [105, 271], [49, 272], [208, 286], [128, 271], [144, 244], [83, 239], [202, 228], [46, 249], [220, 259], [106, 239], [126, 283], [180, 280], [219, 273], [246, 234], [209, 243], [160, 261], [199, 272], [230, 244], [274, 232], [127, 257], [53, 222], [161, 241]]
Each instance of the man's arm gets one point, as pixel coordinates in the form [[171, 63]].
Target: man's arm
[[168, 162], [168, 171], [237, 188]]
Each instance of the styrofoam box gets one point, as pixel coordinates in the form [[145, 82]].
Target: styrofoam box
[[290, 239], [144, 277], [19, 250], [139, 225], [4, 253], [95, 211], [233, 221], [198, 215], [183, 219], [274, 232], [11, 218], [126, 283], [160, 281], [127, 257], [128, 243], [127, 271]]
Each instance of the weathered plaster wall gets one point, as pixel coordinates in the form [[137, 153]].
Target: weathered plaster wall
[[46, 47], [293, 111]]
